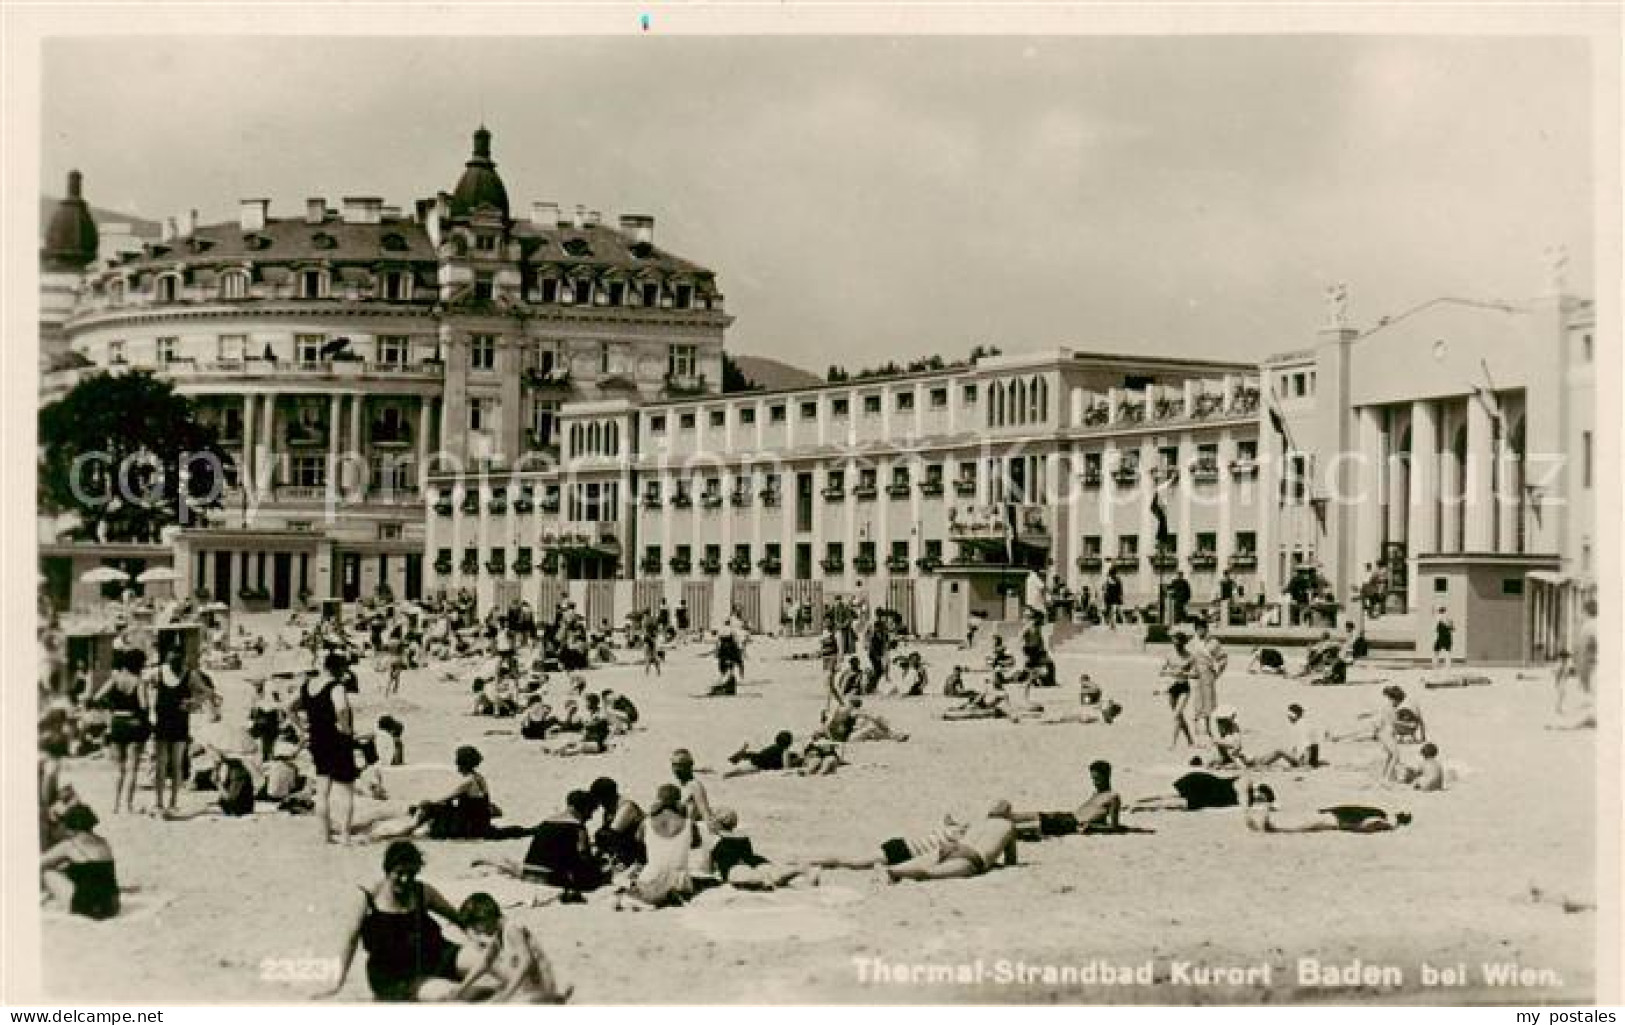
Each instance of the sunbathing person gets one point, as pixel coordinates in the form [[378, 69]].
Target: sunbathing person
[[736, 862], [1304, 750], [867, 726], [770, 758], [537, 720], [464, 813], [895, 851], [993, 702], [78, 872], [1428, 776], [509, 965], [1262, 817], [820, 757], [560, 853], [664, 880], [1267, 660], [954, 686], [1099, 814], [1092, 707], [1195, 791], [979, 850]]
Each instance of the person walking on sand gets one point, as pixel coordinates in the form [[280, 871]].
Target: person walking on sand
[[1180, 667]]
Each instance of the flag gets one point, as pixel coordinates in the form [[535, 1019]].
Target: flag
[[1279, 423]]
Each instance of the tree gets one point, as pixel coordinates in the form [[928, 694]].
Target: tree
[[117, 452], [733, 378]]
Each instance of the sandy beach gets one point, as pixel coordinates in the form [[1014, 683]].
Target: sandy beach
[[1211, 912]]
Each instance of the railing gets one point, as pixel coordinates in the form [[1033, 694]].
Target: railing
[[1097, 415], [739, 566], [651, 500], [931, 488], [1204, 472], [965, 487], [1204, 560], [1244, 468], [443, 567], [929, 563], [711, 500], [770, 567], [1164, 563], [1126, 476], [834, 493], [897, 563], [550, 504], [866, 492], [1126, 561], [496, 567], [864, 563], [1092, 480], [681, 500], [739, 499], [1243, 560], [898, 489], [650, 566], [830, 565], [770, 497], [680, 564], [711, 566], [430, 370], [292, 493]]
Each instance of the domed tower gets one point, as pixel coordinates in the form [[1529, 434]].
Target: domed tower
[[480, 184], [69, 247], [71, 239]]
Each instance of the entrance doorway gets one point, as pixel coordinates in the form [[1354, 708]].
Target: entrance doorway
[[803, 560], [350, 576], [281, 580]]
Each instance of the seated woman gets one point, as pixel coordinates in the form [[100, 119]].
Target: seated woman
[[954, 686], [537, 719], [465, 813], [664, 880], [619, 840], [78, 873], [509, 966], [560, 852], [1227, 751], [1262, 817], [991, 703]]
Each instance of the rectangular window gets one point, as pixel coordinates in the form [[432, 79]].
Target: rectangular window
[[550, 290], [1128, 547], [685, 297], [686, 421], [485, 243], [684, 361], [482, 352], [771, 551], [939, 398], [115, 351], [477, 414], [1091, 546], [1091, 465], [867, 477], [603, 358], [312, 284], [834, 551], [657, 425], [747, 415], [651, 556], [809, 410], [583, 292], [835, 480], [776, 414], [651, 295], [742, 554], [389, 531], [1246, 542], [233, 348], [840, 407], [309, 347], [395, 286], [1207, 542], [713, 554], [617, 293], [683, 553], [1512, 586], [905, 401], [969, 395], [899, 476], [1441, 585], [1585, 347], [1246, 451], [1298, 386], [393, 350], [310, 471], [871, 405], [719, 418], [165, 351]]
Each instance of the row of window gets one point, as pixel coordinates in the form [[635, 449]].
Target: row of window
[[808, 409], [392, 350], [682, 559], [1207, 545], [1015, 402], [1296, 385]]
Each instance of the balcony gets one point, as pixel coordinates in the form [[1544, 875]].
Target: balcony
[[443, 566], [682, 500], [650, 565], [711, 500], [1244, 469], [389, 435], [471, 566], [401, 369], [297, 493], [929, 563], [1126, 561], [739, 499], [965, 487], [831, 564], [550, 504], [523, 568], [1091, 478], [834, 493], [1168, 409], [1208, 405], [1126, 476], [496, 567], [897, 563], [770, 566], [1204, 560], [1166, 562], [897, 489], [931, 487], [864, 563], [681, 564], [1097, 415], [679, 385], [770, 497], [1205, 472], [1244, 400], [526, 502], [711, 564], [307, 434], [498, 504], [867, 491], [550, 563], [471, 503], [1090, 563], [651, 499], [1244, 560], [1131, 413], [537, 379], [739, 565], [443, 505]]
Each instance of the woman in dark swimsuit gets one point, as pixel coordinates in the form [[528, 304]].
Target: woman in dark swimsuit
[[79, 871], [618, 839], [171, 721], [124, 695], [463, 814], [330, 734], [394, 922]]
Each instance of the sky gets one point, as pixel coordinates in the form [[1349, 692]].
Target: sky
[[867, 198]]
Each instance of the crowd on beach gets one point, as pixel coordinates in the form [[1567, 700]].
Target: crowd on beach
[[299, 749]]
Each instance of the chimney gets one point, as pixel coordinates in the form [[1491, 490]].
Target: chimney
[[544, 214], [362, 209], [252, 214], [315, 210], [594, 218], [638, 227], [75, 185], [423, 208], [191, 224], [581, 216], [170, 230]]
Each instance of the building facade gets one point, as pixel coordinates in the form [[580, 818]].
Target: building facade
[[457, 397]]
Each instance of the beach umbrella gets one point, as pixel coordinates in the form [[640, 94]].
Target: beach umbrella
[[158, 575], [104, 575]]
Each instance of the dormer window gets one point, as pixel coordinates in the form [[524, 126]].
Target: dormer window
[[322, 240], [642, 250], [484, 287], [583, 293], [167, 288], [395, 286], [256, 241], [617, 293], [651, 295], [312, 284], [394, 242], [485, 243], [234, 285], [550, 290], [577, 247], [685, 296], [115, 291]]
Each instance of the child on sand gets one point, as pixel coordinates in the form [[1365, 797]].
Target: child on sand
[[511, 967]]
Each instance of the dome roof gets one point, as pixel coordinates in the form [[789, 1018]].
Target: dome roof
[[71, 238], [480, 184]]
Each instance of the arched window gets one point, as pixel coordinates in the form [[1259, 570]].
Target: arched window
[[1021, 401], [234, 285], [995, 402], [1040, 401]]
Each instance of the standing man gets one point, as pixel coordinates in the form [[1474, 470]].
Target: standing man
[[1227, 594], [1444, 639], [1179, 596], [1111, 596]]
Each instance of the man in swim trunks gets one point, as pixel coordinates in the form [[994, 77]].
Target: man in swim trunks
[[897, 850], [770, 758], [1099, 814], [979, 850]]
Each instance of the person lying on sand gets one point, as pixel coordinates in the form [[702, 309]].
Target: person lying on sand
[[770, 758], [820, 757], [867, 726], [1098, 814], [993, 702], [895, 851], [979, 850], [1262, 817], [736, 862], [1267, 660], [509, 965], [1195, 791]]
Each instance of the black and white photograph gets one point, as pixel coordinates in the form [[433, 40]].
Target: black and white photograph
[[935, 510]]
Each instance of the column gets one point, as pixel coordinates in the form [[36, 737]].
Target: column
[[422, 468], [268, 440], [335, 416], [245, 471], [1398, 478], [1479, 498], [1451, 492], [358, 475], [1369, 482], [1422, 529], [1508, 489]]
